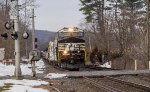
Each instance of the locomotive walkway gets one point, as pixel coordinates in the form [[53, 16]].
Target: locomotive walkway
[[104, 73]]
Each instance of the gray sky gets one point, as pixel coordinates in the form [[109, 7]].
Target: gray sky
[[55, 14]]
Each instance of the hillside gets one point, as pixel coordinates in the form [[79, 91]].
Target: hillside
[[44, 37]]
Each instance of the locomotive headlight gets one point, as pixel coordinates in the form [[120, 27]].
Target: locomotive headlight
[[65, 53], [71, 29], [78, 51]]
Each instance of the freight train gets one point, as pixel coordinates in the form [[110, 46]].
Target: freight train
[[68, 49]]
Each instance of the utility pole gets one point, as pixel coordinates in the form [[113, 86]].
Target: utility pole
[[6, 6], [33, 43], [33, 30], [148, 14], [26, 42], [17, 45]]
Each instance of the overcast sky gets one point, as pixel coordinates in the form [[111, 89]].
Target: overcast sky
[[55, 14]]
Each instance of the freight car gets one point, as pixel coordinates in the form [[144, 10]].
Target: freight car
[[68, 50]]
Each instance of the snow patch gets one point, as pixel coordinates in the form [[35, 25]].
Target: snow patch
[[55, 75], [24, 85], [39, 66], [107, 65], [25, 82], [1, 84], [20, 88], [8, 70]]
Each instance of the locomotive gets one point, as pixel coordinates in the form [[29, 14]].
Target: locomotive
[[68, 49]]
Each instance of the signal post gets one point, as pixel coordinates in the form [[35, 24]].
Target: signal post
[[17, 45]]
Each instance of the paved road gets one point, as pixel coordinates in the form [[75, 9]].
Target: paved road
[[105, 73]]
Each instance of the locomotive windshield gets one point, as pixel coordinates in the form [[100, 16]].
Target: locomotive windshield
[[71, 34], [66, 33]]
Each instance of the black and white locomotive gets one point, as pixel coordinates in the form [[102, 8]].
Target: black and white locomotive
[[68, 50]]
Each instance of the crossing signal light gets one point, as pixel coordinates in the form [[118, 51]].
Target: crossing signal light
[[25, 35], [14, 36], [8, 25], [36, 39], [36, 46], [5, 36]]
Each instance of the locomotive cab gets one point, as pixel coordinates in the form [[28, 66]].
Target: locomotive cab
[[71, 48]]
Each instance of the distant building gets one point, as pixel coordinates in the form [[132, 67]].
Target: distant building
[[2, 53]]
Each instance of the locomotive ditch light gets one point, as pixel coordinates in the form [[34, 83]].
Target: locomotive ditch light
[[25, 35], [65, 53]]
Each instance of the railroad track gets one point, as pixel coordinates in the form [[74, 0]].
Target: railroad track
[[60, 69], [54, 66], [93, 68], [145, 78], [86, 68], [139, 86], [102, 84], [56, 89]]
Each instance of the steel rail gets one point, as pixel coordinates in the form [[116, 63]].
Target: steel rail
[[136, 85], [59, 68], [55, 89], [101, 86]]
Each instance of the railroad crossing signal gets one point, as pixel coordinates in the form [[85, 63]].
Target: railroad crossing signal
[[14, 35], [5, 36], [9, 25], [36, 46], [25, 35]]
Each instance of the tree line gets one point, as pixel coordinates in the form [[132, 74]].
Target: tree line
[[117, 30]]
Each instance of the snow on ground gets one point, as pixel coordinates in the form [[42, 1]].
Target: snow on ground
[[23, 85], [107, 65], [11, 85], [55, 75], [40, 66], [6, 70], [25, 68]]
